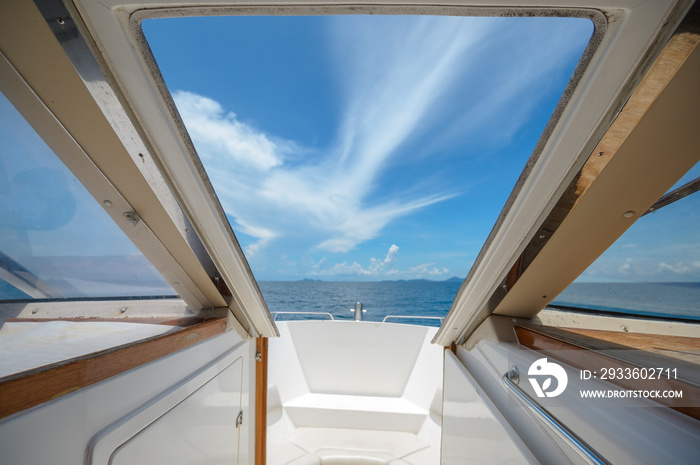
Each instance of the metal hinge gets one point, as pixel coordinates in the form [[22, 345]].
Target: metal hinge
[[133, 217], [239, 419]]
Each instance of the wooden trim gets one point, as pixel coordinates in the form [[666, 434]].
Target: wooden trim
[[452, 347], [261, 401], [34, 387], [514, 273], [681, 347], [169, 321], [580, 352]]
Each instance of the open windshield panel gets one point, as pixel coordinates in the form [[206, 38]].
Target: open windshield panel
[[652, 270], [56, 241], [70, 279], [364, 158]]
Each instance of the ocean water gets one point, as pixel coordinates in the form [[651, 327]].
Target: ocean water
[[677, 300], [428, 298], [412, 298]]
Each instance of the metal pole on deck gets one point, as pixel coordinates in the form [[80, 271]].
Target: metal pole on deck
[[358, 311]]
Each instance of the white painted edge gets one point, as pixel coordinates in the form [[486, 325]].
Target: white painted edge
[[111, 32]]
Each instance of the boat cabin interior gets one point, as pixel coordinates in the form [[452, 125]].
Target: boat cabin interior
[[193, 368]]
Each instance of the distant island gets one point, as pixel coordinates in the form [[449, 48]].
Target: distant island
[[453, 279]]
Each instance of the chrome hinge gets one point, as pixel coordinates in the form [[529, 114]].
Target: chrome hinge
[[239, 419]]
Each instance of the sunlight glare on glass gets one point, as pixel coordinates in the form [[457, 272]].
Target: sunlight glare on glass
[[56, 241]]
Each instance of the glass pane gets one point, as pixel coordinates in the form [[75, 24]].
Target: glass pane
[[652, 269], [364, 148], [56, 241]]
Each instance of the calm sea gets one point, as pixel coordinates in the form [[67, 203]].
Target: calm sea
[[680, 300], [379, 298]]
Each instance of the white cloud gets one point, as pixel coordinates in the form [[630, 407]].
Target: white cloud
[[343, 269], [397, 83], [680, 268], [382, 268], [625, 268], [428, 270], [365, 224], [376, 267], [262, 234], [646, 267], [219, 133], [391, 255], [268, 198]]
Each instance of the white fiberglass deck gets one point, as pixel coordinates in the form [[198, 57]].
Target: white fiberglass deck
[[354, 393]]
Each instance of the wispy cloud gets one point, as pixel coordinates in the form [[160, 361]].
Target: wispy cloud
[[265, 196], [398, 69], [396, 76]]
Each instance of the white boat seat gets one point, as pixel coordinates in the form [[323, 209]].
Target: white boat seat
[[357, 412]]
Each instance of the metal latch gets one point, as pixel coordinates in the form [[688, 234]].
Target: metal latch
[[239, 419]]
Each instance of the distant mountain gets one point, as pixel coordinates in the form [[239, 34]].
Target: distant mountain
[[453, 279]]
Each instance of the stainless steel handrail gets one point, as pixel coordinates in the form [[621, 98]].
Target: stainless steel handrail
[[300, 313], [412, 317], [511, 379]]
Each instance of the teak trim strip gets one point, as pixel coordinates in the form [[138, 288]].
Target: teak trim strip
[[168, 321], [261, 401], [584, 358], [34, 387]]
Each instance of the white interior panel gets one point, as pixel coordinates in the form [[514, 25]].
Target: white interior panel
[[367, 359], [199, 430], [473, 430]]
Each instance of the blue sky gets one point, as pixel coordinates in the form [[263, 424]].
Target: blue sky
[[365, 147], [663, 246]]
